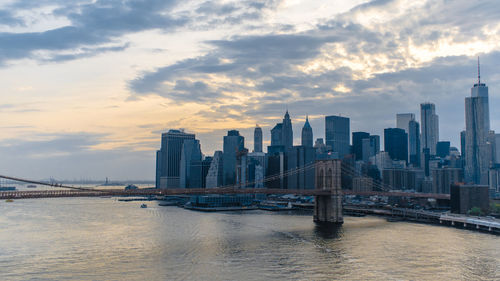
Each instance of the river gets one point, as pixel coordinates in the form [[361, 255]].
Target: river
[[105, 239]]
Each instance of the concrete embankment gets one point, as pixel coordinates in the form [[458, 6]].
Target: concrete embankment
[[483, 224]]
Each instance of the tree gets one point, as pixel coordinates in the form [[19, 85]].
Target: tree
[[475, 211]]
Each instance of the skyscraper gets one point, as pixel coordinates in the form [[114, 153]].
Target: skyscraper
[[337, 134], [357, 143], [443, 149], [168, 158], [370, 147], [396, 144], [414, 143], [403, 119], [477, 127], [300, 157], [215, 174], [307, 134], [287, 132], [191, 152], [233, 145], [429, 123], [403, 122], [277, 135], [257, 139]]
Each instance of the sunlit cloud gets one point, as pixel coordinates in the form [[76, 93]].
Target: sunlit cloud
[[118, 73]]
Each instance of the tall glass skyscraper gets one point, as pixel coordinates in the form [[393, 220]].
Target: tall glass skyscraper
[[396, 143], [357, 144], [168, 158], [191, 152], [233, 144], [337, 134], [477, 128], [403, 122], [414, 143], [429, 123]]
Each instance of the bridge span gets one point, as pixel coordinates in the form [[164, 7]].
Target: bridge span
[[327, 181], [197, 191]]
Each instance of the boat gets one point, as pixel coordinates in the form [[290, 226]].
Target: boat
[[31, 186], [7, 188], [9, 200], [144, 206]]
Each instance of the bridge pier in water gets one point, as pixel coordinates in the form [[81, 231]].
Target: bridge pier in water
[[328, 207]]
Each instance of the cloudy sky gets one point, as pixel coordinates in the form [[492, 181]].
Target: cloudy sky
[[89, 85]]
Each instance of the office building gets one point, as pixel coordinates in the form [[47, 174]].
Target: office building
[[299, 158], [214, 177], [403, 119], [276, 167], [257, 139], [199, 171], [414, 143], [362, 184], [395, 179], [307, 134], [494, 178], [443, 149], [477, 128], [429, 124], [287, 131], [337, 134], [277, 135], [168, 158], [396, 143], [465, 197], [256, 169], [242, 176], [371, 148], [497, 148], [233, 145], [191, 151], [282, 133], [443, 178], [357, 144]]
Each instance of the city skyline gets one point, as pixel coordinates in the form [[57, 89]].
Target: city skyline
[[88, 105]]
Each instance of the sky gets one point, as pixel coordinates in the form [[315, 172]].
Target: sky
[[89, 86]]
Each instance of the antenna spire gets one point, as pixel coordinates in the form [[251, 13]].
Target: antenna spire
[[478, 72]]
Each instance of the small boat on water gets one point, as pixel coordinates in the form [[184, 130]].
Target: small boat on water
[[7, 188], [9, 200], [144, 206], [31, 186]]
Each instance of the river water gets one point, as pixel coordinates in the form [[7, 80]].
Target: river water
[[105, 239]]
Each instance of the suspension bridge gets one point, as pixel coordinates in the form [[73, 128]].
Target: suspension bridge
[[327, 189], [63, 190]]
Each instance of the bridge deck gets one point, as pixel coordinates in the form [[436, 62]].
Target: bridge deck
[[197, 191]]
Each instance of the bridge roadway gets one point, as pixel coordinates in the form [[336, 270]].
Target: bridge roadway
[[85, 192]]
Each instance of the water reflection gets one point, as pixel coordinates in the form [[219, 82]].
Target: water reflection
[[104, 239], [327, 230]]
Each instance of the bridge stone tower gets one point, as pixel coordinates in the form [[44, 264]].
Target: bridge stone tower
[[328, 207]]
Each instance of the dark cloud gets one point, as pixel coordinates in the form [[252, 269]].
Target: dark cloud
[[96, 24], [272, 63], [92, 25]]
